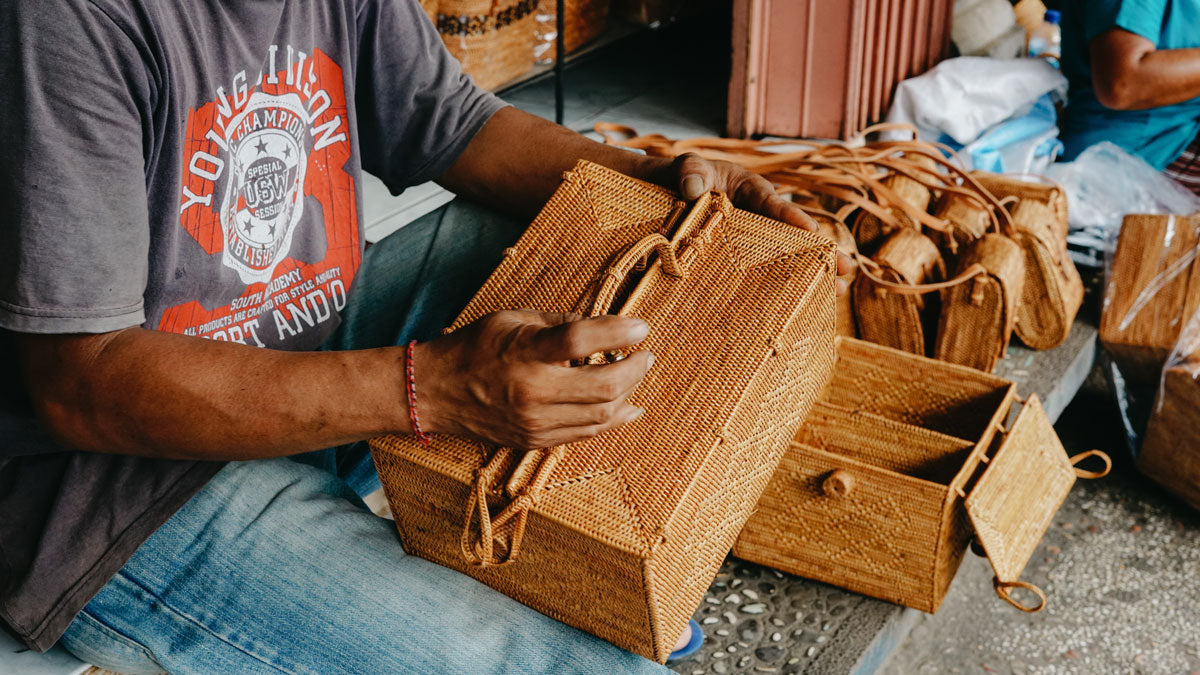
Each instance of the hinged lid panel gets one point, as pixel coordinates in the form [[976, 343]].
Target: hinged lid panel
[[1020, 491]]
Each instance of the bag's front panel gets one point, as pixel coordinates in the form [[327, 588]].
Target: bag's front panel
[[774, 404], [561, 572], [889, 319], [878, 538], [971, 327]]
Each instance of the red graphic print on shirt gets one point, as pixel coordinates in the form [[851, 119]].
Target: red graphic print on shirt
[[252, 155]]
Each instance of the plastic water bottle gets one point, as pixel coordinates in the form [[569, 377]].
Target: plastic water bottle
[[1046, 39]]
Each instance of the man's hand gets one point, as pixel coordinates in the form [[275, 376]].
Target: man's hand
[[694, 175], [507, 379]]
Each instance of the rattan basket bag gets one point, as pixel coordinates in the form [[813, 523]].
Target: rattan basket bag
[[1053, 290], [978, 314], [889, 312], [493, 39], [901, 461], [620, 535]]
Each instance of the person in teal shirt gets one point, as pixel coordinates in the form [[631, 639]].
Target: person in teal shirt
[[1134, 71]]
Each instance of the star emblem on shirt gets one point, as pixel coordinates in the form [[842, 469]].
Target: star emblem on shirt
[[287, 152], [261, 147]]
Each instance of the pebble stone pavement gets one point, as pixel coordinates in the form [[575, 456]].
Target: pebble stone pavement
[[1119, 566]]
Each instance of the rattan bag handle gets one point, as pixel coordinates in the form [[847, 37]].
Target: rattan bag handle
[[497, 541], [1084, 473], [1004, 590], [870, 269]]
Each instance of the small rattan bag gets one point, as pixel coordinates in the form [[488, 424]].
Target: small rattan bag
[[492, 39], [620, 535], [1053, 289], [901, 461], [890, 312], [978, 313]]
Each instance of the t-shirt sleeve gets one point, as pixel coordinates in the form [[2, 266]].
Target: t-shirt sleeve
[[73, 120], [417, 110], [1141, 17]]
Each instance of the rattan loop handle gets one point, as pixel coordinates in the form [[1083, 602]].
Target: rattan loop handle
[[498, 540], [1084, 473], [838, 484], [633, 257], [1004, 590]]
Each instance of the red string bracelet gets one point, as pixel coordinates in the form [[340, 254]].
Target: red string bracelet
[[411, 388]]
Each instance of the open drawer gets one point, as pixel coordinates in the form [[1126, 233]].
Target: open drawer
[[901, 462]]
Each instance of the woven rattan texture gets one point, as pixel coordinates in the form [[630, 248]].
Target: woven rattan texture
[[1024, 485], [1153, 287], [583, 21], [492, 39], [893, 319], [1053, 290], [978, 315], [969, 220], [898, 529], [1170, 453], [630, 528]]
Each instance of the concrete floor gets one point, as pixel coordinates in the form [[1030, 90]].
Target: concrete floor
[[1120, 567]]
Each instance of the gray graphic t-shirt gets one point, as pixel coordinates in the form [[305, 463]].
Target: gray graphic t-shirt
[[190, 167]]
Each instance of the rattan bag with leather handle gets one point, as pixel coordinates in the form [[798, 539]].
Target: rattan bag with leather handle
[[902, 461], [1053, 289], [978, 312], [620, 535], [893, 299]]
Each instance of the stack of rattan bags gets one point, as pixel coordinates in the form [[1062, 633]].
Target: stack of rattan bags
[[951, 262]]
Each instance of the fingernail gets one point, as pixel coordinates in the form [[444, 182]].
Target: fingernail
[[637, 412], [693, 186], [650, 359], [640, 330], [840, 286]]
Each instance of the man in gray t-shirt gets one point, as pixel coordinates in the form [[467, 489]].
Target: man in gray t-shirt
[[183, 231]]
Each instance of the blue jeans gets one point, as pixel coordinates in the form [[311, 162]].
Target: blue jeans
[[277, 565]]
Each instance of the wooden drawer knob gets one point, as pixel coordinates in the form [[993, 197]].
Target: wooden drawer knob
[[838, 484]]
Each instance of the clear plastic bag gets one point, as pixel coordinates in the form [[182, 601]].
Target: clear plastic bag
[[1104, 184], [1150, 317]]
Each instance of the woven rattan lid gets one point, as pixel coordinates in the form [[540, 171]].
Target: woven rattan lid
[[1020, 491]]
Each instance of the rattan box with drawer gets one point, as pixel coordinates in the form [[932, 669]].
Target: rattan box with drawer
[[901, 461]]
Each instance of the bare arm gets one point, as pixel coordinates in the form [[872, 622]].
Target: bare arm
[[517, 160], [505, 379], [1129, 73], [157, 394]]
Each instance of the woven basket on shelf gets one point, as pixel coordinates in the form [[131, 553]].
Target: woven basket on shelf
[[431, 8], [897, 467], [1153, 288], [493, 39], [886, 314], [1053, 290], [620, 535], [978, 313], [583, 21]]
